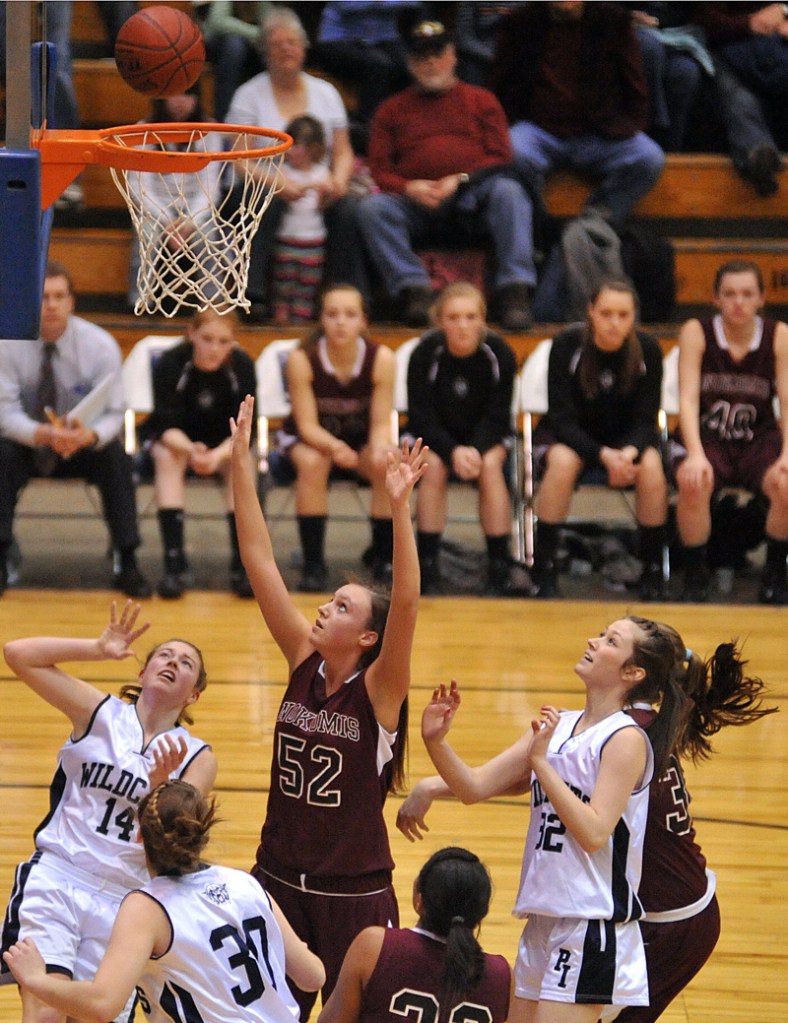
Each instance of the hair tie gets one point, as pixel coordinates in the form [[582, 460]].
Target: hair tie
[[457, 920], [688, 654]]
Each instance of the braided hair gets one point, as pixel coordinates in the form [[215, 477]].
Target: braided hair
[[175, 822], [455, 889]]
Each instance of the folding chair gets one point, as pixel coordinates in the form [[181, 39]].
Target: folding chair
[[138, 382]]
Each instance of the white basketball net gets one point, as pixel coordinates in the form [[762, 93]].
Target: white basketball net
[[195, 228]]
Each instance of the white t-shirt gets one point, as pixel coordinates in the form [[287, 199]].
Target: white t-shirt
[[302, 219], [254, 103]]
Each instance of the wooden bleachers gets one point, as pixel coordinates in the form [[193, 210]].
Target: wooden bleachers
[[709, 213]]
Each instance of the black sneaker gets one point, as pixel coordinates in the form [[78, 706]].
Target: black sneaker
[[774, 586], [505, 579], [431, 579], [696, 586], [313, 578], [240, 585], [545, 581], [651, 586], [170, 587], [133, 583]]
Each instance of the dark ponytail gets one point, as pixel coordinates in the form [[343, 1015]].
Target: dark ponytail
[[455, 889], [721, 695]]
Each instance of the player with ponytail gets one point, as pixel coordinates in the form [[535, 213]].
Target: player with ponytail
[[431, 969]]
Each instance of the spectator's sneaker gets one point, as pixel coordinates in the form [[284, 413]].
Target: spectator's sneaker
[[170, 587], [651, 586], [761, 169], [71, 199], [774, 586], [514, 307], [416, 306], [133, 583], [545, 581], [431, 580]]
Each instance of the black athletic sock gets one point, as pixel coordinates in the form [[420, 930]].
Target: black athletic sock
[[776, 553], [382, 539], [428, 545], [171, 531], [235, 551], [312, 532], [497, 547], [651, 541], [695, 557], [547, 537]]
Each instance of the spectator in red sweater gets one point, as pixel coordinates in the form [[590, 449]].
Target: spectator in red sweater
[[440, 152]]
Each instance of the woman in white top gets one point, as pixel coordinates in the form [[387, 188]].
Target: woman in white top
[[271, 100]]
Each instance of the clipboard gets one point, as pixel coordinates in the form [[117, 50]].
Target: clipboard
[[94, 403]]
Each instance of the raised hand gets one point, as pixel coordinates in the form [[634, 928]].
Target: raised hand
[[241, 427], [404, 469], [115, 641], [439, 713], [542, 729], [168, 756]]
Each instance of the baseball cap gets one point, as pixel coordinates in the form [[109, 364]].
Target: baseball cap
[[428, 37]]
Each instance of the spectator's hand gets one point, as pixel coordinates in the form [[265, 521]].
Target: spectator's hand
[[70, 437], [642, 18], [330, 190], [620, 465], [290, 190], [448, 185], [768, 20], [425, 193], [344, 457], [695, 473], [466, 462]]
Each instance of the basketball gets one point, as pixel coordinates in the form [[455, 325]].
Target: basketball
[[160, 51]]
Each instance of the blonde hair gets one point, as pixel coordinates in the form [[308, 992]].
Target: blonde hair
[[457, 289]]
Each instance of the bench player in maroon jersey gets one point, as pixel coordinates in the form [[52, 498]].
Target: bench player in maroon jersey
[[341, 728], [731, 367]]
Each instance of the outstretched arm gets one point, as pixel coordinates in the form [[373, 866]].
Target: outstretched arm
[[34, 661], [288, 626], [509, 772], [388, 678]]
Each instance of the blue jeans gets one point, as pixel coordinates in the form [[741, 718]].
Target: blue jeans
[[628, 168], [393, 225]]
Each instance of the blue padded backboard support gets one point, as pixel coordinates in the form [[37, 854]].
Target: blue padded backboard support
[[24, 238]]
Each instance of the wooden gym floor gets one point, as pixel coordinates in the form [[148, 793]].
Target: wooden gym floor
[[509, 657]]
